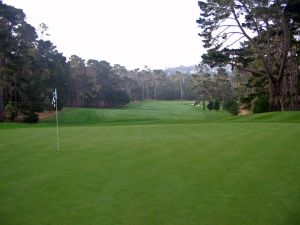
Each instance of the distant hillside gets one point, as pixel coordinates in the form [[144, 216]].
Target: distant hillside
[[182, 69], [192, 70]]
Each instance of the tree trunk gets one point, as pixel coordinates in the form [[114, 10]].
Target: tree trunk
[[155, 91], [276, 92], [276, 96], [143, 91], [223, 101], [181, 88]]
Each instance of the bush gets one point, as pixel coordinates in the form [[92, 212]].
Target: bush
[[118, 98], [232, 107], [31, 118], [210, 105], [261, 104], [11, 111], [217, 105]]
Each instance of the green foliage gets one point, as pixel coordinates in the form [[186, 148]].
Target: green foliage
[[118, 98], [217, 104], [213, 104], [203, 86], [216, 58], [31, 68], [261, 104], [266, 32], [31, 118], [210, 105], [218, 86], [11, 111], [293, 7], [232, 107]]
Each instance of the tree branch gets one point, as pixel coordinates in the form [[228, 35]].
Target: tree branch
[[254, 45], [249, 70], [285, 47], [218, 35], [252, 17], [234, 42], [231, 25]]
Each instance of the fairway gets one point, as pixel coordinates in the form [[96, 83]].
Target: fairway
[[152, 163], [149, 112]]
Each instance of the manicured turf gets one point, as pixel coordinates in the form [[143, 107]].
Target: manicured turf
[[287, 117], [194, 171], [148, 112]]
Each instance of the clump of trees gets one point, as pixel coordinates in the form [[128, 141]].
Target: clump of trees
[[94, 84], [31, 67], [213, 89], [260, 40]]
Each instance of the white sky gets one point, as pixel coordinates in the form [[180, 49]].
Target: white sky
[[133, 33]]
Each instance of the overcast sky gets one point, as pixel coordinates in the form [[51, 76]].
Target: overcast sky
[[133, 33]]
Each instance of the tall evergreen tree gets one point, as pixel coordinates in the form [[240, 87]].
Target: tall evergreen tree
[[17, 51], [265, 32]]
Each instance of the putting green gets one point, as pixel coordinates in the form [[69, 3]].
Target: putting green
[[194, 171]]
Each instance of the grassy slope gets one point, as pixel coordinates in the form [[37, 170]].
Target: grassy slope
[[205, 173], [149, 112], [289, 117]]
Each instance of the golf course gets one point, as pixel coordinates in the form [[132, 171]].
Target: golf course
[[152, 163]]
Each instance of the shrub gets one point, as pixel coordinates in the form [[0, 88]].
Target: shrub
[[232, 106], [210, 105], [217, 105], [261, 104], [31, 118], [118, 98], [11, 111]]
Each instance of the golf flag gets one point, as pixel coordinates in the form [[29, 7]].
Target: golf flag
[[54, 104], [54, 98]]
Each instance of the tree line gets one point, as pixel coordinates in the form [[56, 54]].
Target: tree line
[[259, 40], [31, 67]]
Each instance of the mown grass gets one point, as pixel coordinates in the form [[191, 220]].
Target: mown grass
[[287, 117], [163, 173], [148, 112]]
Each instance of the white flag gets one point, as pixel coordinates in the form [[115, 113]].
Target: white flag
[[54, 98], [54, 104]]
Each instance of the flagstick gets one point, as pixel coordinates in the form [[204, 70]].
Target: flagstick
[[56, 123]]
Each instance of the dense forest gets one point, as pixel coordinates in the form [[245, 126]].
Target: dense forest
[[261, 74], [31, 67]]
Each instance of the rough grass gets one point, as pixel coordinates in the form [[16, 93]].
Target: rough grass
[[160, 173]]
